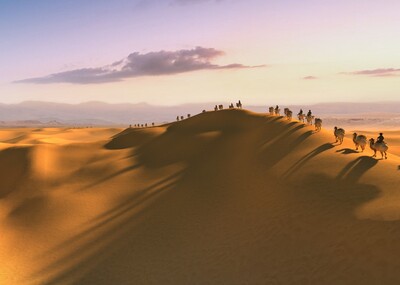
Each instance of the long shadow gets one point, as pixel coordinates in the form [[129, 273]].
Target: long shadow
[[111, 176], [347, 151], [296, 166], [277, 148], [126, 214], [353, 171]]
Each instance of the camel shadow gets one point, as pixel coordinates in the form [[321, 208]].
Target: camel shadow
[[347, 151], [296, 166]]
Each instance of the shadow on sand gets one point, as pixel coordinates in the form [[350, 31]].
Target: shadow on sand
[[222, 220]]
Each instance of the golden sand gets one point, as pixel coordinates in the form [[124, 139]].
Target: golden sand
[[227, 197]]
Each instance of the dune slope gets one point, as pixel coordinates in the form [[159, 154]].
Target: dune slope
[[227, 197]]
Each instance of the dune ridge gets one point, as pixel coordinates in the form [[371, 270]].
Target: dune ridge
[[227, 197]]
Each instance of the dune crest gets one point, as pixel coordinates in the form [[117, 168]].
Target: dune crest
[[229, 197]]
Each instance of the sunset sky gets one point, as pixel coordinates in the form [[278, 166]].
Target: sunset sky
[[180, 51]]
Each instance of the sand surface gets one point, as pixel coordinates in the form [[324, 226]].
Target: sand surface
[[227, 197]]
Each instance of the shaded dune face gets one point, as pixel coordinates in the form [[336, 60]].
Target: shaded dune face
[[14, 165], [227, 197]]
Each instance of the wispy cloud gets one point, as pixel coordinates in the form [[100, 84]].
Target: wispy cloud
[[185, 2], [310, 77], [379, 72], [138, 64]]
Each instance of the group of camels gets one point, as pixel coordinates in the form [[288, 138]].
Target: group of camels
[[361, 141], [339, 133], [302, 117]]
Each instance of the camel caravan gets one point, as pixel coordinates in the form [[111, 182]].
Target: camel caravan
[[309, 118], [360, 141]]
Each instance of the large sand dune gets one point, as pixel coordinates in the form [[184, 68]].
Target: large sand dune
[[227, 197]]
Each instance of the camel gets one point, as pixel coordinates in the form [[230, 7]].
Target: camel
[[182, 118], [318, 124], [221, 107], [188, 115], [360, 141], [339, 134], [309, 119], [288, 113], [277, 111], [301, 117], [378, 146], [271, 111], [239, 105], [216, 108]]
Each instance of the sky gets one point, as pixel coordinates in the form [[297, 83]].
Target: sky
[[168, 52]]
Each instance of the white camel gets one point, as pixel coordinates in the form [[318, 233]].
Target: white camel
[[339, 134], [309, 119], [318, 124], [360, 141], [378, 146]]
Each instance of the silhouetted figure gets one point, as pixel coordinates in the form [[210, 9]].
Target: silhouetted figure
[[380, 138], [177, 118], [239, 105], [220, 107], [309, 114], [182, 117], [277, 110], [301, 112], [130, 126], [188, 115], [145, 125], [203, 111], [216, 108], [152, 124]]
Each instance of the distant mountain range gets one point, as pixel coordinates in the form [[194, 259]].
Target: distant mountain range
[[36, 113]]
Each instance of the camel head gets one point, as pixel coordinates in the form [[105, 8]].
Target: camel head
[[335, 128], [372, 140]]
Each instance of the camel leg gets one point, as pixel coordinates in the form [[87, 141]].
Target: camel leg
[[374, 153], [385, 155]]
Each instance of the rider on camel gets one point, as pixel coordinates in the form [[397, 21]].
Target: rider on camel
[[380, 138]]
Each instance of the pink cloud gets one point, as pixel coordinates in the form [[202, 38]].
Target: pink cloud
[[310, 77], [138, 64], [379, 72]]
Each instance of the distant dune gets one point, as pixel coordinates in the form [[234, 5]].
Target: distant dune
[[227, 197], [47, 114]]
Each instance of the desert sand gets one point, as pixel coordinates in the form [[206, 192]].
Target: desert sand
[[227, 197]]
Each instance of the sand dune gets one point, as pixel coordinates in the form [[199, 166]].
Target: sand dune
[[227, 197]]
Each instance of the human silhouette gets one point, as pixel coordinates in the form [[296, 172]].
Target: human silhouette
[[309, 114], [301, 112], [380, 138]]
